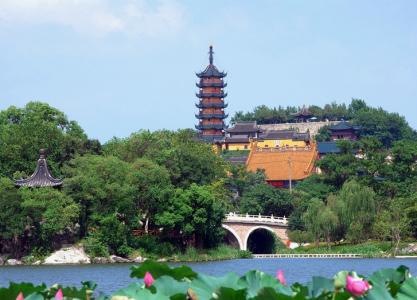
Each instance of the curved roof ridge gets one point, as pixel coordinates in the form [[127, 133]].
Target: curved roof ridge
[[42, 176]]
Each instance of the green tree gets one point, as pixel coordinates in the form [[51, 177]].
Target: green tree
[[393, 223], [386, 127], [197, 214], [338, 168], [187, 159], [23, 131], [328, 223], [358, 212], [100, 186], [311, 220], [12, 219], [267, 200], [152, 188], [50, 214]]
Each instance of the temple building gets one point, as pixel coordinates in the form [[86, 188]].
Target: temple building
[[283, 139], [284, 167], [239, 136], [211, 105], [344, 131], [41, 177], [303, 115]]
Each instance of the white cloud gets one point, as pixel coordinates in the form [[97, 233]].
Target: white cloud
[[138, 17]]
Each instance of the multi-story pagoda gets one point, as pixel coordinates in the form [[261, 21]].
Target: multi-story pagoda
[[42, 176], [211, 105]]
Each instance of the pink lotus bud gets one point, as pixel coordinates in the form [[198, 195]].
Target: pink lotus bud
[[148, 279], [356, 286], [20, 296], [280, 277], [59, 295]]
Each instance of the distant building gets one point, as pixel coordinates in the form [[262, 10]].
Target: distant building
[[303, 115], [41, 177], [283, 167], [283, 138], [325, 148], [211, 105], [238, 137], [344, 131]]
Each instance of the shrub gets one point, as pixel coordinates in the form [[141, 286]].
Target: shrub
[[94, 247], [153, 244]]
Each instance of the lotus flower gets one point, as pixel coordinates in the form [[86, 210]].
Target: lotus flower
[[148, 279], [59, 295], [356, 286], [20, 296], [281, 278]]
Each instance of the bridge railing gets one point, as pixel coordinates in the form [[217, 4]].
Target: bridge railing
[[246, 218]]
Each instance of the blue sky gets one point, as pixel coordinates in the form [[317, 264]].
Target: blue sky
[[120, 66]]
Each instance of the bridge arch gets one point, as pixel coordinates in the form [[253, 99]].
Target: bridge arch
[[236, 235], [254, 228]]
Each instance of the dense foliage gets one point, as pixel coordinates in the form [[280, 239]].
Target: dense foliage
[[167, 186], [162, 282], [173, 191]]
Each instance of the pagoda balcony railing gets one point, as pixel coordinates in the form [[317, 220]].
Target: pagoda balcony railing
[[211, 95], [212, 116], [211, 84], [211, 105], [211, 126]]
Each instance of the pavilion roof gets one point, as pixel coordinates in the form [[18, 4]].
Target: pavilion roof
[[303, 112], [42, 176]]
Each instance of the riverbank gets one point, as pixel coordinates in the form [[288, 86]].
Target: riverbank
[[75, 255], [370, 249]]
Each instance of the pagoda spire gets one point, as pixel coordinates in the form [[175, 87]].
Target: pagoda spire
[[211, 103]]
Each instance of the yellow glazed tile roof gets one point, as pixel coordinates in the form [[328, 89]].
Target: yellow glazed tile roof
[[280, 164]]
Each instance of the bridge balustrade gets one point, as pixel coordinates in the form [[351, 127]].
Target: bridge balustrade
[[246, 218]]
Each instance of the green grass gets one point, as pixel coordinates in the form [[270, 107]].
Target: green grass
[[234, 153], [222, 252], [367, 249]]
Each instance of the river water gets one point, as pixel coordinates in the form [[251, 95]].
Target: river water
[[111, 277]]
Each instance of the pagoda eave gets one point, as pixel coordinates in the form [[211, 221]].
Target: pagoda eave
[[211, 84], [212, 116], [211, 126], [211, 95], [211, 105]]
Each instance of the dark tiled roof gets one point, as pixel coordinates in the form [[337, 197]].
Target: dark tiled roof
[[327, 147], [241, 138], [277, 135], [212, 138], [344, 126], [211, 71], [305, 136], [244, 127], [41, 177]]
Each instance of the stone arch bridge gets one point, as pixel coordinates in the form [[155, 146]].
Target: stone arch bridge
[[242, 226]]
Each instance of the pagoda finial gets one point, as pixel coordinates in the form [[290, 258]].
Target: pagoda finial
[[42, 153], [211, 54]]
